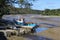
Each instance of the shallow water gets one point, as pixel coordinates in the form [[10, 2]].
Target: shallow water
[[41, 29], [35, 37], [29, 16], [38, 21]]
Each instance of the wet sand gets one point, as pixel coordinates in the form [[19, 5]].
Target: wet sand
[[53, 33]]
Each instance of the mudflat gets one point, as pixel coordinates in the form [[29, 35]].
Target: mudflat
[[53, 33]]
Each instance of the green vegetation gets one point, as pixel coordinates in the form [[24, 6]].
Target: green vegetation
[[51, 12], [6, 7]]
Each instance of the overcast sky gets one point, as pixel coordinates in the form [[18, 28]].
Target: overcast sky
[[45, 4]]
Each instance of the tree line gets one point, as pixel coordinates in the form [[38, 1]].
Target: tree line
[[51, 12]]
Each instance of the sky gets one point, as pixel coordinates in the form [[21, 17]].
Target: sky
[[45, 4]]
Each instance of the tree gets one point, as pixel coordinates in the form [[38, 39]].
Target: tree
[[2, 7], [6, 5], [25, 3]]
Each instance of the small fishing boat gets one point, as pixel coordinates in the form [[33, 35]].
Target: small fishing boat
[[27, 25], [24, 24]]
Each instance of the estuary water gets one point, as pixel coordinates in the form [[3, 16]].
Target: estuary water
[[43, 21]]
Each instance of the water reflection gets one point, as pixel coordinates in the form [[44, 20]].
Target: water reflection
[[41, 29]]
